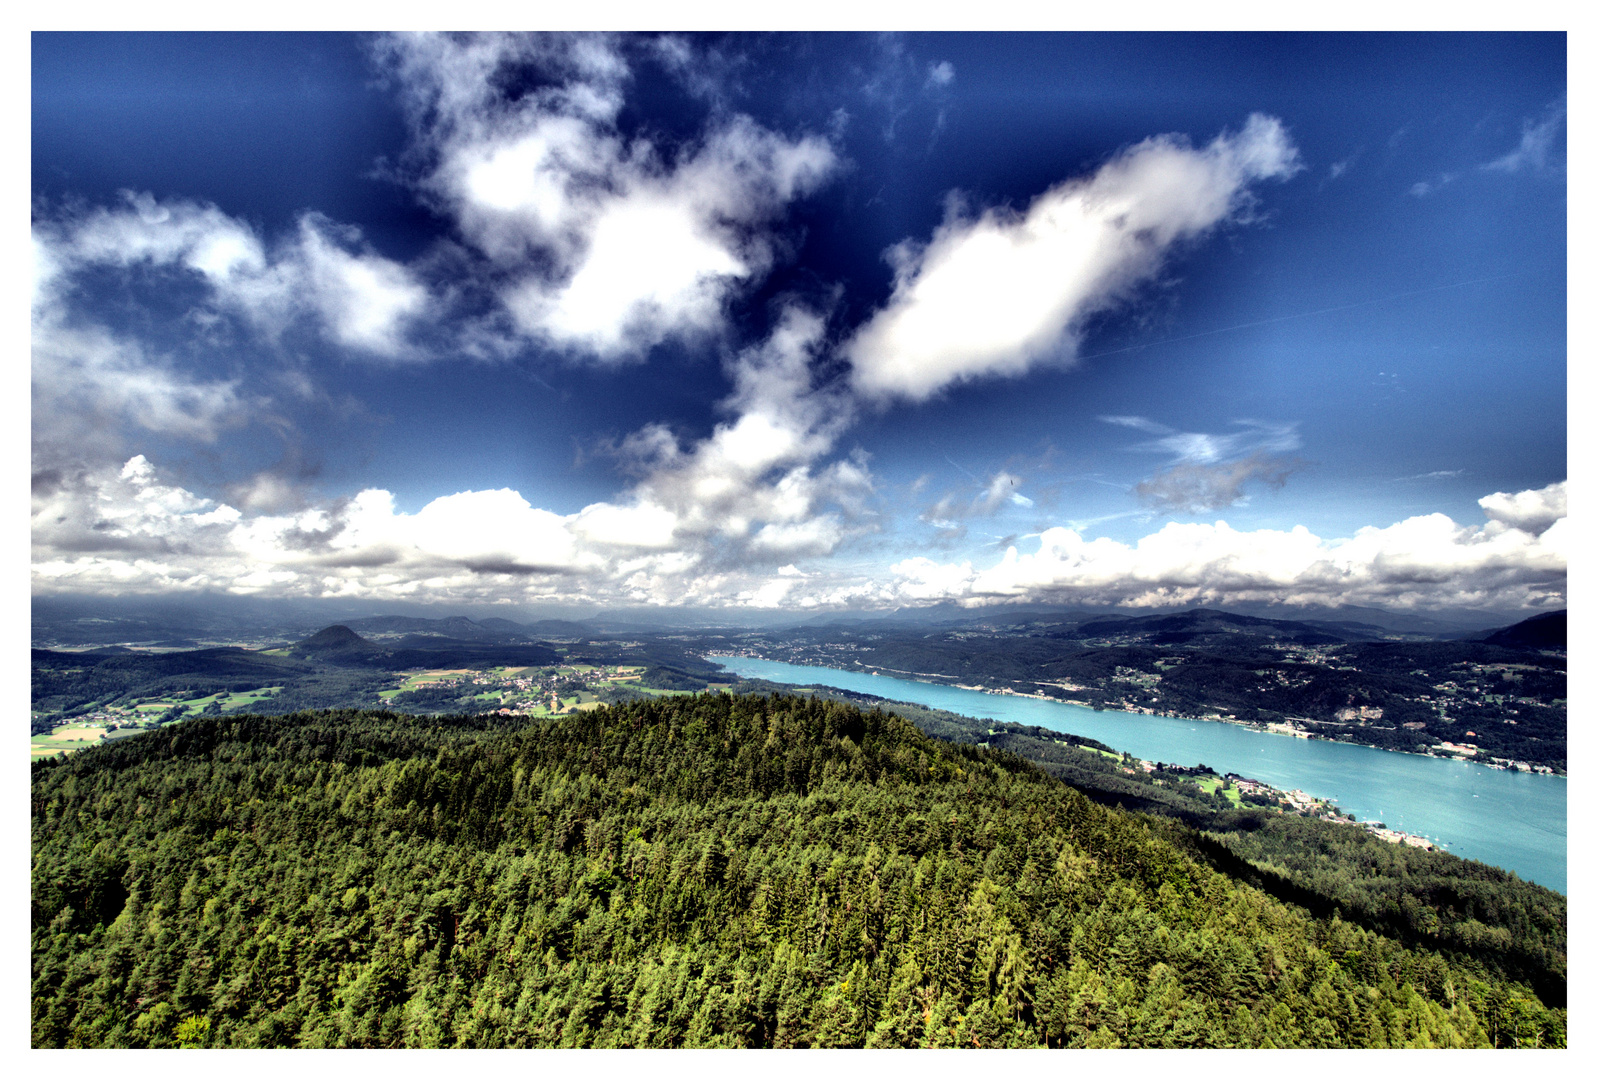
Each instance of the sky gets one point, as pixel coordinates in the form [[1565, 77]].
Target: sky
[[801, 322]]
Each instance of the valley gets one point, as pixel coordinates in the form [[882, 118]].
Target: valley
[[441, 681]]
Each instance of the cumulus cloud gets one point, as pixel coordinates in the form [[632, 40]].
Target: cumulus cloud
[[718, 521], [604, 246], [365, 301], [1530, 511], [130, 531], [89, 384], [1423, 188], [754, 487], [356, 297], [1419, 562], [1001, 292], [96, 386], [127, 530]]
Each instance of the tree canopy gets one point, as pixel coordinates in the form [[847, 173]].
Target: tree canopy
[[709, 870]]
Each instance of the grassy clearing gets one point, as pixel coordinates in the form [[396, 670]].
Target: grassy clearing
[[67, 737], [500, 690], [1212, 784], [248, 697], [154, 707]]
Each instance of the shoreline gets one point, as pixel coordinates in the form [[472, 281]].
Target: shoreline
[[927, 678], [1302, 803]]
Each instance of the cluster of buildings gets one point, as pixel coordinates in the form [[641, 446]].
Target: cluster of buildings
[[1304, 803]]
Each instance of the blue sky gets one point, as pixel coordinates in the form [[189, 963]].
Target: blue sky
[[835, 321]]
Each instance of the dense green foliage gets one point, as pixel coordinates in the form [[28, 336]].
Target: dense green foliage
[[1480, 915], [669, 678], [1483, 917], [64, 683], [711, 870]]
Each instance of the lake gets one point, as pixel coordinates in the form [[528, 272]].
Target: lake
[[1509, 819]]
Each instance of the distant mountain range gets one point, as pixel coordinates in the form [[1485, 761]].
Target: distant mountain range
[[1214, 626], [184, 623], [1204, 625], [454, 628]]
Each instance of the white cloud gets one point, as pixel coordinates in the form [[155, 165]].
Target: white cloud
[[1424, 188], [1419, 562], [1530, 511], [1205, 448], [1538, 142], [366, 302], [716, 522], [641, 525], [753, 488], [924, 579], [1001, 490], [358, 298], [196, 237], [940, 74], [607, 246], [769, 595], [92, 384], [127, 530], [1000, 293], [85, 378], [90, 387]]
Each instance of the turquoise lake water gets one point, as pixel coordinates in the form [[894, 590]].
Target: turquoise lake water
[[1509, 819]]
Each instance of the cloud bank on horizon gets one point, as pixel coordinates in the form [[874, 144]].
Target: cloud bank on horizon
[[573, 237]]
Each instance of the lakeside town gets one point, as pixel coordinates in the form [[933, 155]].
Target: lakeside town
[[1133, 691], [554, 691]]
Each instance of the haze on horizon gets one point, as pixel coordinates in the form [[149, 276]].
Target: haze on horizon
[[801, 323]]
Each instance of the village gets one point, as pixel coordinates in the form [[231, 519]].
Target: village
[[510, 691], [1243, 791], [524, 691]]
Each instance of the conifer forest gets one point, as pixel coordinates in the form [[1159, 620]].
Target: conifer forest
[[711, 870]]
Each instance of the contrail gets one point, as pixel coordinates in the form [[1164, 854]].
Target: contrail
[[1302, 315], [962, 468]]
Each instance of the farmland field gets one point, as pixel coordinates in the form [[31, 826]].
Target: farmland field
[[67, 737]]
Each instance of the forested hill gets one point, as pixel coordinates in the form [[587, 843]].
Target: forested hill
[[710, 870]]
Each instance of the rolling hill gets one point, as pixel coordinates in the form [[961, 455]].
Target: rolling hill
[[711, 870]]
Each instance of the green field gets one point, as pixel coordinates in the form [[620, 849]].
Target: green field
[[77, 734], [67, 737], [228, 701], [1212, 784]]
